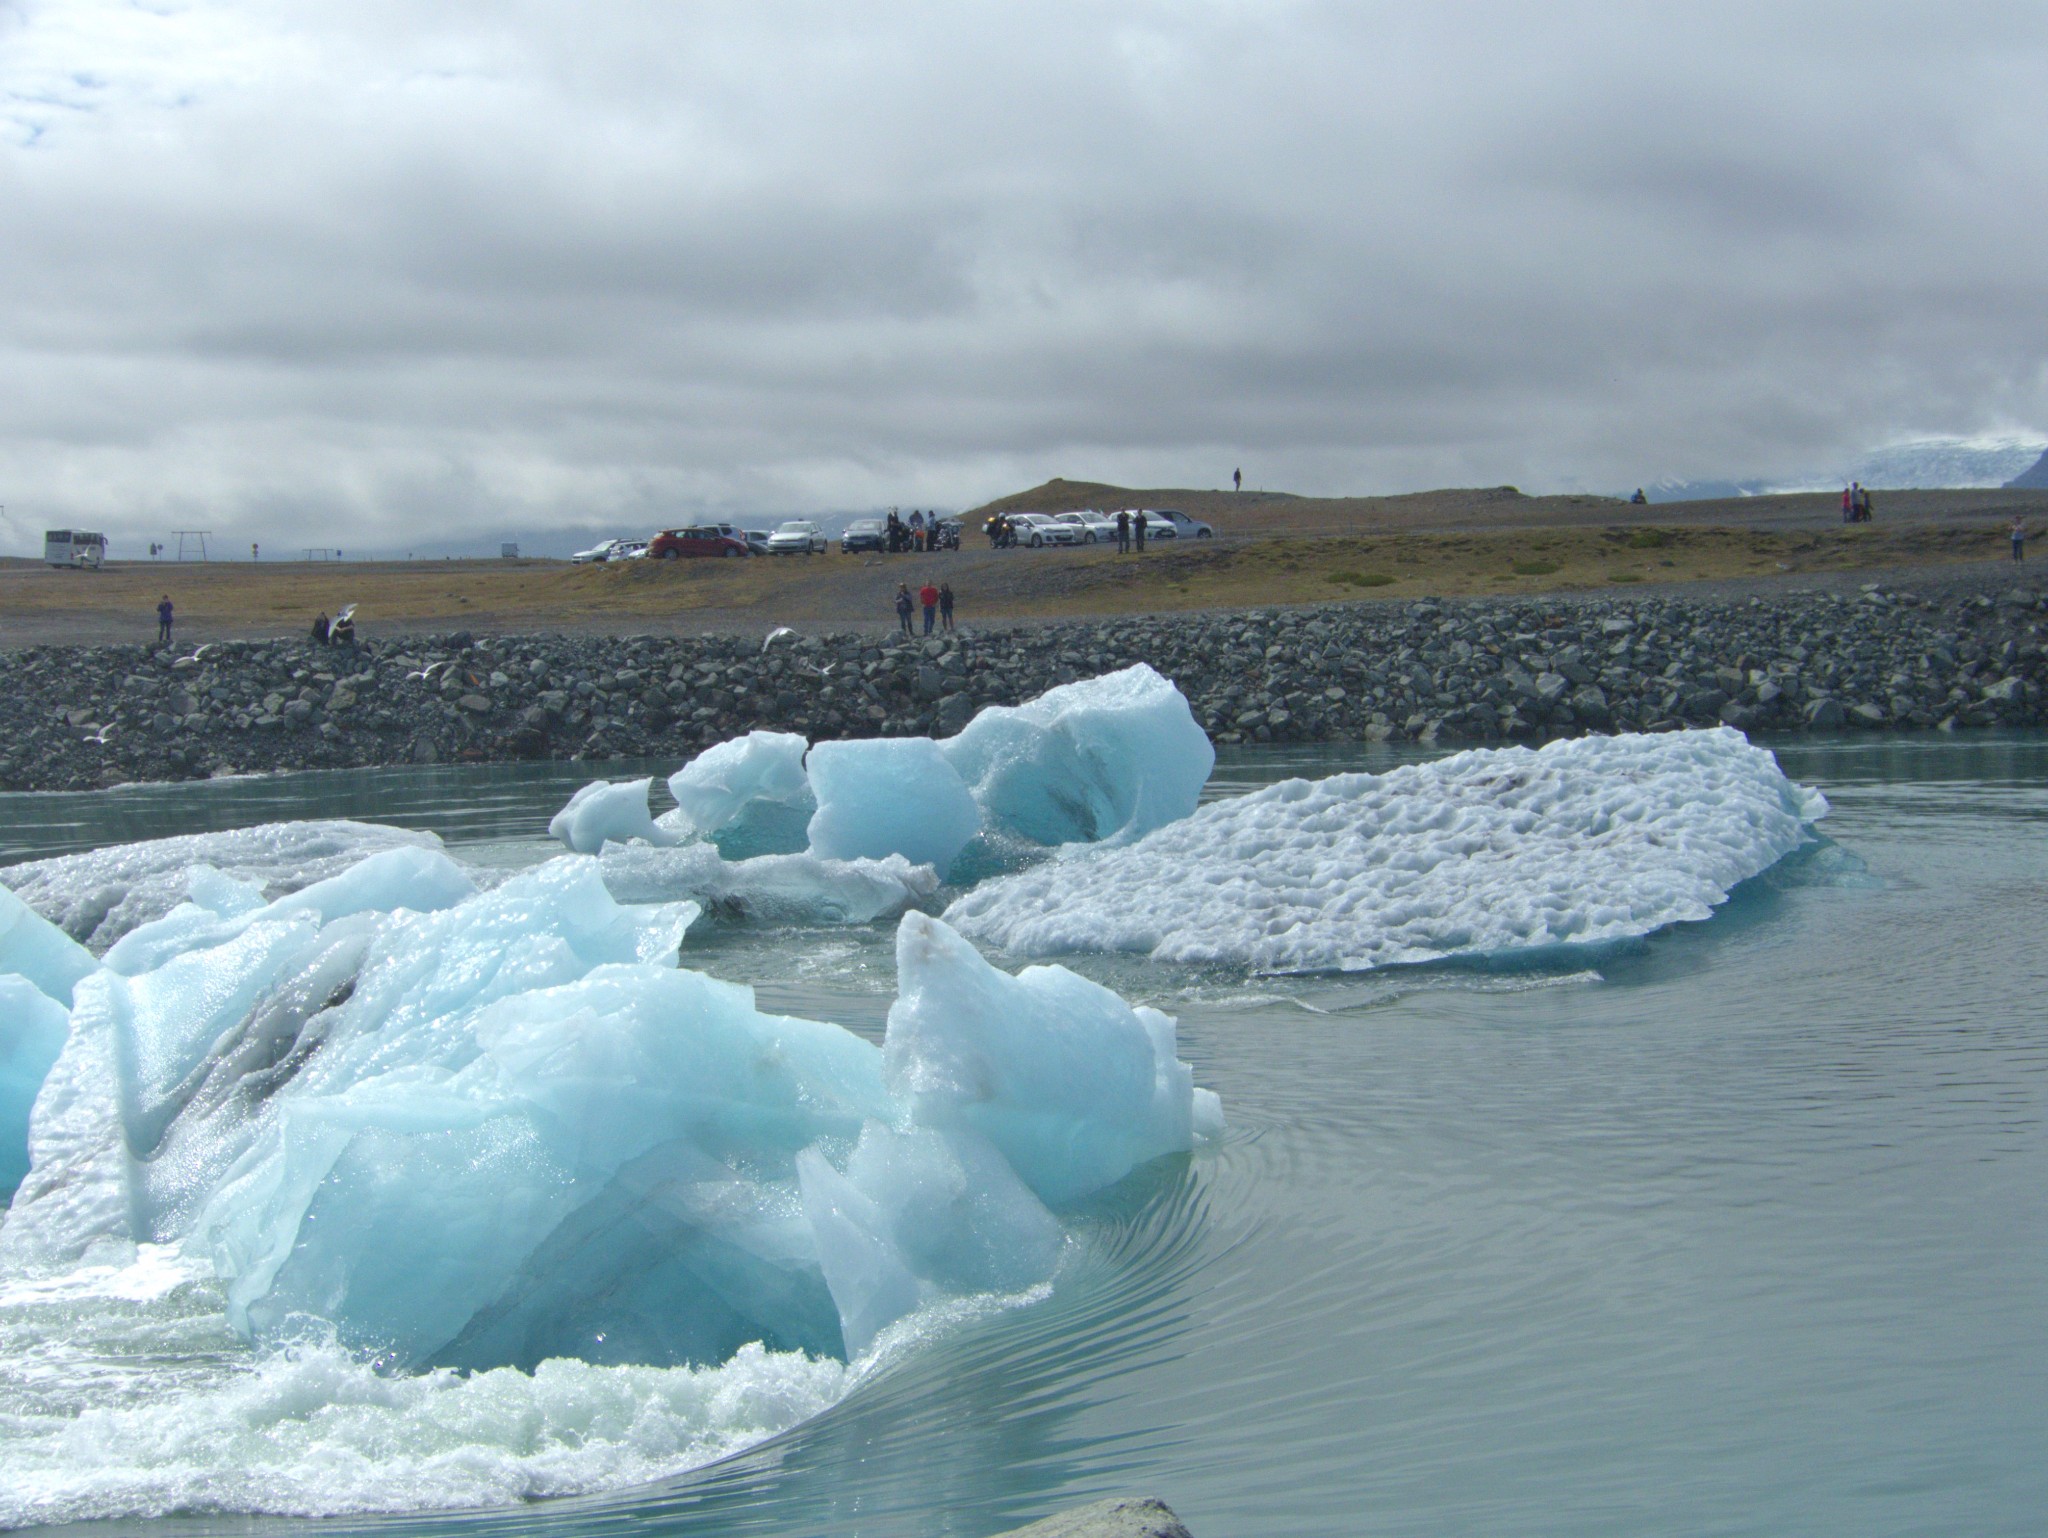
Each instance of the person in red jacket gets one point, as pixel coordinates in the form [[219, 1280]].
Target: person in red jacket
[[929, 597]]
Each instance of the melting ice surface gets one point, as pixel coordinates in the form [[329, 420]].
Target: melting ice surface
[[395, 1158], [1484, 853]]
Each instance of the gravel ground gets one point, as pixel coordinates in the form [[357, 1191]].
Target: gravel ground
[[1954, 649]]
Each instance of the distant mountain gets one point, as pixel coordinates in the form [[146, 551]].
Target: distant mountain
[[1917, 464], [2034, 478], [1701, 491]]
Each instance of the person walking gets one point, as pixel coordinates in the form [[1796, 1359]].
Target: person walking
[[946, 607], [163, 621], [903, 606], [2018, 531], [1138, 526], [1237, 480], [929, 597], [1123, 532]]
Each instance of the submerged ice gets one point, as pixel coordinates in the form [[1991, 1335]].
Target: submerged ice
[[1481, 854]]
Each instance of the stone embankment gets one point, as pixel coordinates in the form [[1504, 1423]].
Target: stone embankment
[[1470, 671]]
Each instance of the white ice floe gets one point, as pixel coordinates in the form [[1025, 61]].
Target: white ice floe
[[1103, 760], [1487, 852], [607, 811], [769, 888], [98, 896], [750, 794], [879, 796]]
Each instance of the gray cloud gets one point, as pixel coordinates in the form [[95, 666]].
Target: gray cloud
[[463, 268]]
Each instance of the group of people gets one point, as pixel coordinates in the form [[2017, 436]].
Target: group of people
[[341, 632], [937, 603], [1855, 503], [919, 534]]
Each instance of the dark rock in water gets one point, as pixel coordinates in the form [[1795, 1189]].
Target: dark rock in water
[[1108, 1519]]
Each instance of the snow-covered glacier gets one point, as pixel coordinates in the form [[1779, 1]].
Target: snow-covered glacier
[[1487, 852]]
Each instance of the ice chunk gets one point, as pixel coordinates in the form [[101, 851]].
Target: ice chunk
[[921, 1215], [33, 948], [512, 1129], [221, 907], [750, 794], [171, 1074], [882, 796], [406, 1206], [770, 888], [1073, 1085], [32, 1030], [1106, 759], [607, 809], [1486, 852], [98, 896]]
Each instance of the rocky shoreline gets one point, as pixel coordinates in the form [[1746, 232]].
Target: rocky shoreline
[[1467, 671]]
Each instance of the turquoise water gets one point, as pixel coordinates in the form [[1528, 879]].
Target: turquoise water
[[1736, 1230]]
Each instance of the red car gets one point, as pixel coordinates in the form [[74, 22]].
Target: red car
[[672, 543]]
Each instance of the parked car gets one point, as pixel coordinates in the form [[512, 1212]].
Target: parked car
[[1166, 523], [1035, 529], [700, 540], [1094, 526], [798, 536], [630, 550], [864, 534], [603, 550], [757, 541]]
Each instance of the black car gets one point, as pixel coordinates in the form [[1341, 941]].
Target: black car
[[864, 534]]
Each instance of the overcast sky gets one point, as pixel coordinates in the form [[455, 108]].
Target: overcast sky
[[406, 272]]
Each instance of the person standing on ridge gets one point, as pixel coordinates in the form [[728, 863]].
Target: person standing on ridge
[[929, 597], [946, 607], [1237, 480], [1138, 524], [2018, 531], [1848, 504], [1123, 532], [903, 606], [163, 621]]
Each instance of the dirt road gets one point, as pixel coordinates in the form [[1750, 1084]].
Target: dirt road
[[1267, 550]]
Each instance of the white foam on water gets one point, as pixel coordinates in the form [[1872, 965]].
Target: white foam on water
[[315, 1431]]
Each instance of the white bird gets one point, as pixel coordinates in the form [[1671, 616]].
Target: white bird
[[825, 671], [775, 635]]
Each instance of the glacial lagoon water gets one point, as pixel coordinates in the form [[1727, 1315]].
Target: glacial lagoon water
[[1735, 1230]]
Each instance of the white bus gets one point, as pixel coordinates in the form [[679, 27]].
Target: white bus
[[74, 547]]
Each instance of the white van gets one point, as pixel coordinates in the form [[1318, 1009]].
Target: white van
[[74, 547]]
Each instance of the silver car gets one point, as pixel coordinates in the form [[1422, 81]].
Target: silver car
[[1035, 529], [799, 536], [1094, 526]]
